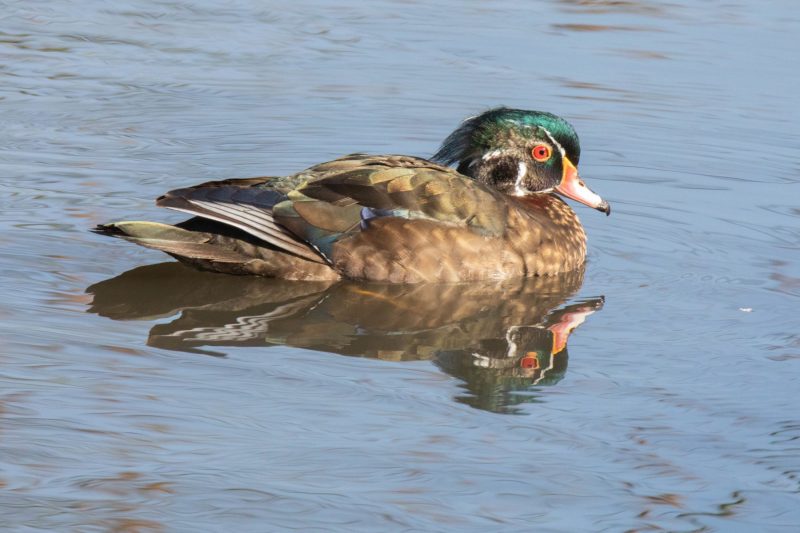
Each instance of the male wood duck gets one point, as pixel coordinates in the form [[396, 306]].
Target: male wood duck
[[396, 218]]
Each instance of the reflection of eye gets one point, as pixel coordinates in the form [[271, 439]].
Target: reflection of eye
[[541, 152]]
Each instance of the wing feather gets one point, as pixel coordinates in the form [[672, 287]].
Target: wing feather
[[242, 205], [413, 188], [307, 213]]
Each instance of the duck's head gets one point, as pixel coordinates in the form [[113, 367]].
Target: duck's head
[[520, 152]]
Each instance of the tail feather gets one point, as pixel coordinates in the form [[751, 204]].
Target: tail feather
[[217, 252], [135, 229], [172, 240]]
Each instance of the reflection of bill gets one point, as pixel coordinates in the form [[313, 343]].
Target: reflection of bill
[[500, 338]]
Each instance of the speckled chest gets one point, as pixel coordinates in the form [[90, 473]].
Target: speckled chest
[[543, 237]]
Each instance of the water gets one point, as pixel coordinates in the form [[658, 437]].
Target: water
[[137, 395]]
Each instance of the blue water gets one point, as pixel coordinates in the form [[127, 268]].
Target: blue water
[[138, 395]]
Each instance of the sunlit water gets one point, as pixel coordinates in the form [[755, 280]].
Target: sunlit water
[[137, 395]]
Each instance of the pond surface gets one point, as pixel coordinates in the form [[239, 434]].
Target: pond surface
[[655, 390]]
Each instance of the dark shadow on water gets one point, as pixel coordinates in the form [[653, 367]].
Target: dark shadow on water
[[503, 339]]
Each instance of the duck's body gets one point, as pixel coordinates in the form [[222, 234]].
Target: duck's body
[[398, 219]]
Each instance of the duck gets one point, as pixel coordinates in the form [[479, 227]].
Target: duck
[[488, 205]]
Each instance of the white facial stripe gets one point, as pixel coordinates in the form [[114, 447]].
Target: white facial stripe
[[493, 154], [555, 142], [522, 170]]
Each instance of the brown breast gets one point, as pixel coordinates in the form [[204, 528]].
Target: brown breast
[[543, 237], [548, 234]]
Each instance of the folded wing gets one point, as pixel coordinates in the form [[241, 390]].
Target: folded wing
[[241, 203], [307, 213]]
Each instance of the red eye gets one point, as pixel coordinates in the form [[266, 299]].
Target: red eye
[[541, 152]]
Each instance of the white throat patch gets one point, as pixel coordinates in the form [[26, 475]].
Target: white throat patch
[[522, 170]]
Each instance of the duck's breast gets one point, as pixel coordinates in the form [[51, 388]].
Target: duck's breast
[[543, 237]]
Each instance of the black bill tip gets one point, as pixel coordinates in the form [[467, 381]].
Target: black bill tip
[[604, 208]]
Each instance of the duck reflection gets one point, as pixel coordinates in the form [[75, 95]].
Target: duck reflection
[[501, 338]]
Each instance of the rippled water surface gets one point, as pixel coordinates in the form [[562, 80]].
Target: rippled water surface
[[139, 395]]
